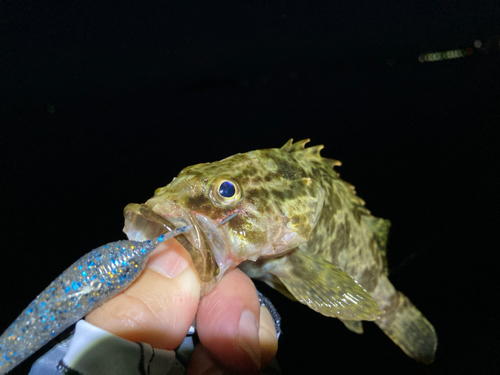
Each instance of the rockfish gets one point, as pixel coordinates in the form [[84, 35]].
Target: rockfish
[[285, 217], [282, 215]]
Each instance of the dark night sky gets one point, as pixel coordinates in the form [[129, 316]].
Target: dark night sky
[[101, 103]]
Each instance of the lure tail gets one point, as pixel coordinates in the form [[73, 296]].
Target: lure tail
[[88, 283]]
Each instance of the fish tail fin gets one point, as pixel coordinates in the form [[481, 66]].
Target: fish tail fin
[[409, 329]]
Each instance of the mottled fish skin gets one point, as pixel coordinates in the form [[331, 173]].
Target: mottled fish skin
[[348, 236], [288, 219], [298, 227], [263, 226]]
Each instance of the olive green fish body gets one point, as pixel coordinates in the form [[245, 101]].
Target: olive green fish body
[[284, 216]]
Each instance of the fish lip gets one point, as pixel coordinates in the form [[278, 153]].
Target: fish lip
[[143, 222]]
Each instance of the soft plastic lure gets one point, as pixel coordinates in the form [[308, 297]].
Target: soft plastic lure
[[92, 280]]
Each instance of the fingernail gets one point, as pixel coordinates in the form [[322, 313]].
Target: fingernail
[[168, 263], [248, 336]]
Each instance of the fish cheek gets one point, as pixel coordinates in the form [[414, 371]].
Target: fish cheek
[[301, 224], [196, 202], [204, 205], [238, 222], [246, 230]]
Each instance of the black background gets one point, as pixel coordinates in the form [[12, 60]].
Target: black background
[[101, 103]]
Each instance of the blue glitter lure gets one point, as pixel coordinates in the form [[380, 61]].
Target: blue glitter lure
[[88, 283]]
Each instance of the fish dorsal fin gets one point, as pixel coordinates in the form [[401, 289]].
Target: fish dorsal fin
[[323, 286], [331, 162], [309, 152], [380, 228], [297, 146], [287, 146]]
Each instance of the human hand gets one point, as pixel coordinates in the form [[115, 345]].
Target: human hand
[[159, 307]]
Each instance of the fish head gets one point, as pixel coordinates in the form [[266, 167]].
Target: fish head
[[241, 208]]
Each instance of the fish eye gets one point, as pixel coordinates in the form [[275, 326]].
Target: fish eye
[[225, 191]]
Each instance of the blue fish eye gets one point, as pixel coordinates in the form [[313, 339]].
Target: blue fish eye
[[227, 189]]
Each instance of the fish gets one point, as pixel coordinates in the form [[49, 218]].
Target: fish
[[281, 215], [285, 217]]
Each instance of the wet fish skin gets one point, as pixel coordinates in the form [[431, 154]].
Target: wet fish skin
[[295, 225], [298, 227]]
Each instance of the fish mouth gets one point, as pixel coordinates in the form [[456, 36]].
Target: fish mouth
[[143, 222]]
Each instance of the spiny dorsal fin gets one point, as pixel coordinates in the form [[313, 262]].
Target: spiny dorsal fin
[[287, 146], [332, 162], [309, 152], [313, 152], [297, 146]]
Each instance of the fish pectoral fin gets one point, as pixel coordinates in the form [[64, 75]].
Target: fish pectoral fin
[[323, 286], [276, 283], [353, 325], [256, 270]]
